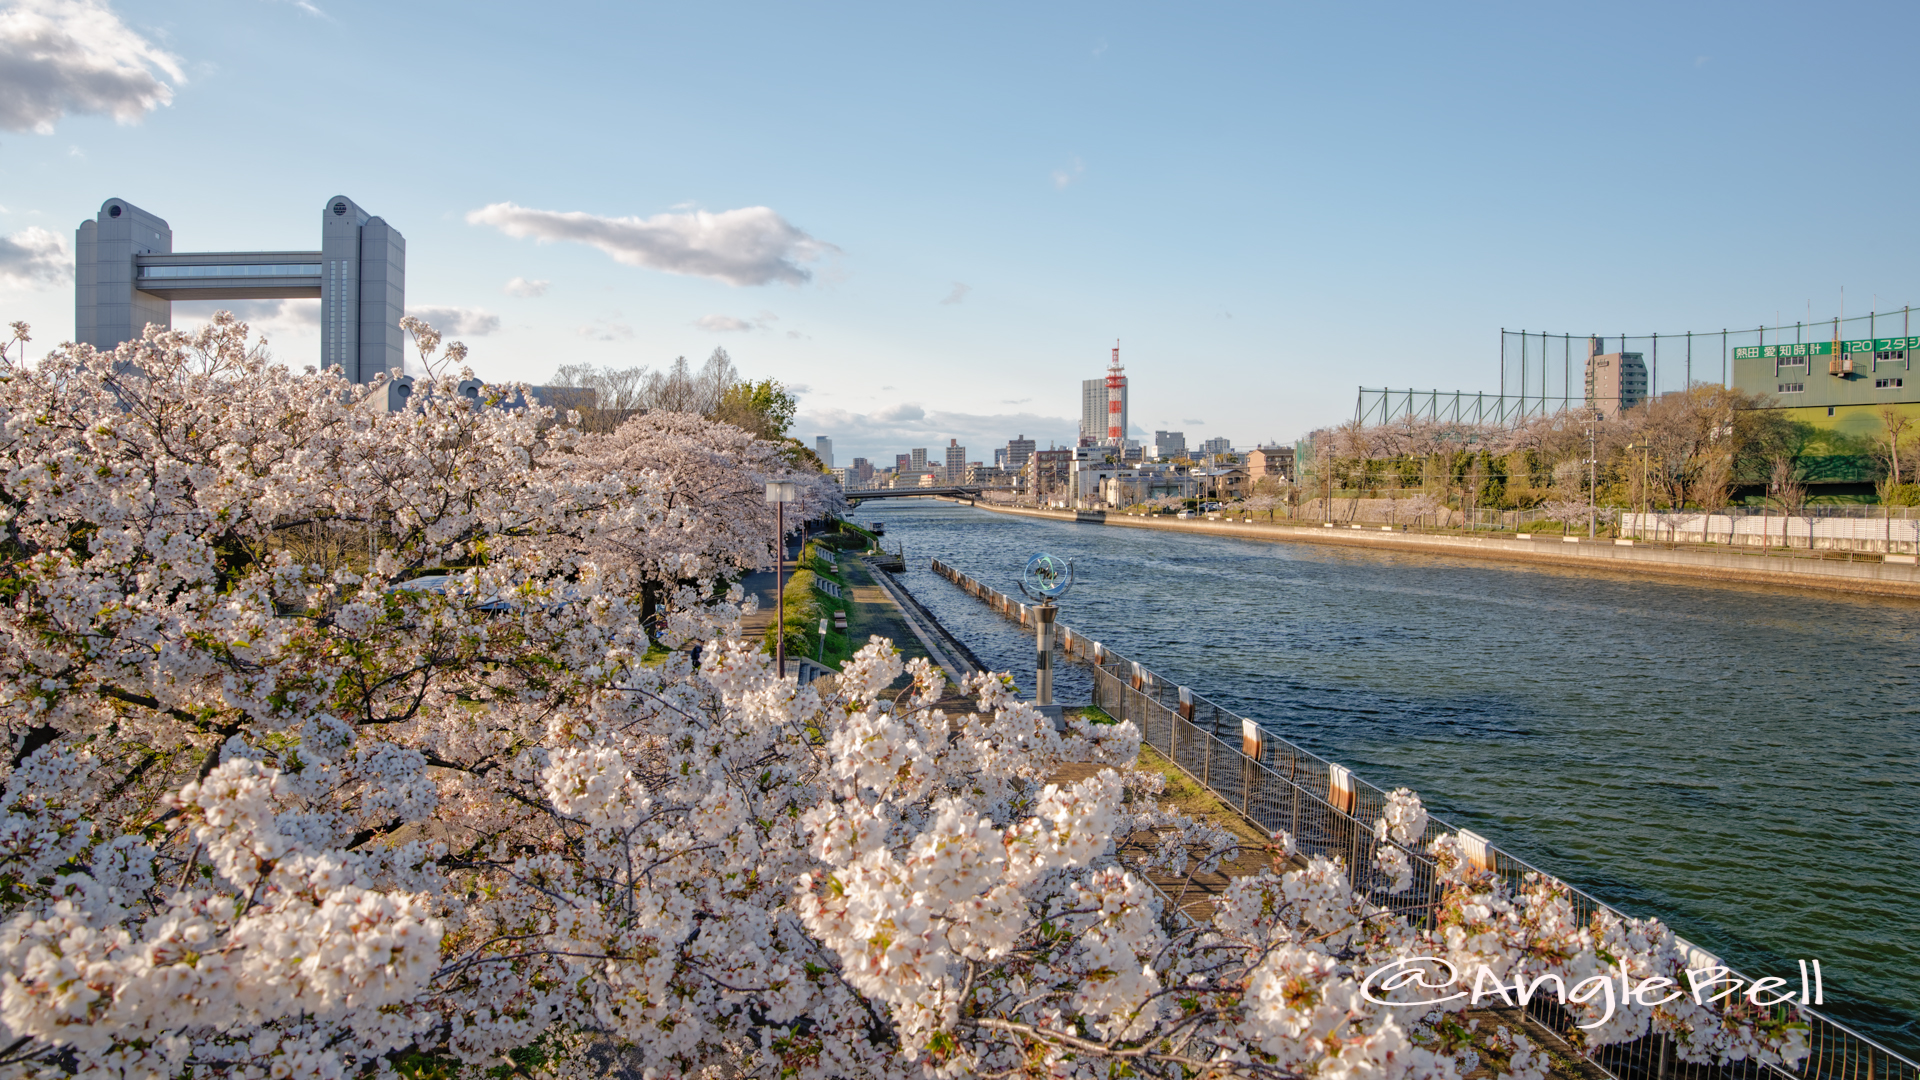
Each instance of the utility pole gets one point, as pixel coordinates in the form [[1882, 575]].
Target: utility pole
[[1640, 525], [1593, 473]]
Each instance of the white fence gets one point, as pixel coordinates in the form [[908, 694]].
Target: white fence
[[1886, 534]]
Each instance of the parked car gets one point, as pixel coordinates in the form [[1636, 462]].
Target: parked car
[[1184, 514]]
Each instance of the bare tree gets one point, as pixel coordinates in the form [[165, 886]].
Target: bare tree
[[1786, 490], [1713, 489], [1893, 430], [616, 393], [681, 389]]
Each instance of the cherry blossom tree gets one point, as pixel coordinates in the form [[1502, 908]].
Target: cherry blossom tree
[[712, 478]]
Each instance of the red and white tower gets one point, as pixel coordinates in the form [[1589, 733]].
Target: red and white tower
[[1116, 400]]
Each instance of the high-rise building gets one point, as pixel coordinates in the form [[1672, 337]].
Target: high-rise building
[[956, 461], [823, 449], [127, 276], [1096, 409], [861, 470], [1168, 445], [1616, 381], [1216, 446], [917, 462], [1093, 408], [902, 462], [1019, 449]]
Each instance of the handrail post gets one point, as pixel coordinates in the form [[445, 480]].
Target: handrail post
[[1250, 739]]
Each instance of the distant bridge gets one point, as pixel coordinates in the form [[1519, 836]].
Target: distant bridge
[[861, 495]]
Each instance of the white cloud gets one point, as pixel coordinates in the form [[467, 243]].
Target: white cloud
[[900, 427], [728, 324], [1068, 173], [458, 321], [273, 319], [526, 287], [34, 258], [605, 330], [1195, 423], [749, 246], [958, 294], [76, 56]]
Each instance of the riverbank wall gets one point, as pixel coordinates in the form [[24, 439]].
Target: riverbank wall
[[1895, 576]]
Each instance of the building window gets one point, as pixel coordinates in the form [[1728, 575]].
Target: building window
[[1890, 354], [203, 270], [1793, 388], [1829, 410], [1886, 384]]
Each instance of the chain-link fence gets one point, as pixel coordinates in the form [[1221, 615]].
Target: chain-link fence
[[1329, 811], [1540, 370], [1470, 410]]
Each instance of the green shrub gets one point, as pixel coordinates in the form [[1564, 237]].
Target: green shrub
[[1901, 495], [799, 615]]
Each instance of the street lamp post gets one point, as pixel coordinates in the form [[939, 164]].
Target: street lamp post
[[1593, 473], [780, 494]]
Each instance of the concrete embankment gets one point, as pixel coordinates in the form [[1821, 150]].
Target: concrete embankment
[[1869, 575], [945, 649]]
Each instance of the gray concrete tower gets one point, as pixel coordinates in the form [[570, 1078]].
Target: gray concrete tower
[[127, 276], [363, 291], [107, 307]]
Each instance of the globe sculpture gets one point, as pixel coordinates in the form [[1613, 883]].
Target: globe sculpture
[[1046, 577]]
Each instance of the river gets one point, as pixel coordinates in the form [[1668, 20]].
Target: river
[[1739, 761]]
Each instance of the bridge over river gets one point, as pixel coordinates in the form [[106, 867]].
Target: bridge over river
[[859, 495]]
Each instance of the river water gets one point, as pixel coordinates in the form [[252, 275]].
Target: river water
[[1739, 761]]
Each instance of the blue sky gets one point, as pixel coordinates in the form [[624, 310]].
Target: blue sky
[[934, 220]]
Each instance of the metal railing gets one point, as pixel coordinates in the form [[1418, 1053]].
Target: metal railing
[[1328, 811]]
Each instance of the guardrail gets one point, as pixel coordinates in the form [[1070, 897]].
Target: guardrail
[[1329, 811]]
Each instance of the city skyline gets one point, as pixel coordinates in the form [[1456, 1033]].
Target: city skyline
[[1265, 223]]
